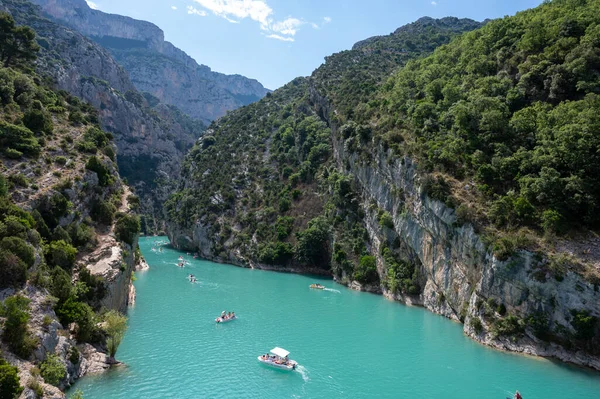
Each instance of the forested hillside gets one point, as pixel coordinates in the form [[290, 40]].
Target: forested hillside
[[152, 138], [61, 200], [260, 174], [463, 181]]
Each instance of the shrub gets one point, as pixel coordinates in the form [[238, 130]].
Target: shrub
[[61, 285], [11, 153], [74, 355], [103, 212], [510, 326], [366, 272], [78, 394], [59, 253], [13, 271], [476, 324], [72, 311], [95, 165], [36, 387], [10, 387], [312, 247], [283, 226], [584, 324], [278, 253], [13, 227], [19, 179], [552, 222], [3, 186], [81, 234], [19, 247], [16, 311], [38, 121], [127, 228], [385, 220], [18, 138], [284, 204], [436, 188], [61, 234], [53, 370]]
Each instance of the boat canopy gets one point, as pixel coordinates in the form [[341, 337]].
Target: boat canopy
[[279, 352]]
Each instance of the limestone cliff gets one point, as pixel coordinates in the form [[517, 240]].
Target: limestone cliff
[[151, 137], [155, 65]]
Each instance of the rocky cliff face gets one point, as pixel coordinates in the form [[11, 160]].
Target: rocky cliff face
[[152, 138], [157, 66], [459, 276]]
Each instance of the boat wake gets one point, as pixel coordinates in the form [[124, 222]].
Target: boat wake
[[303, 372], [332, 290]]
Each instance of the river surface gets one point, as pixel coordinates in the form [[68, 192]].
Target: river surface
[[348, 344]]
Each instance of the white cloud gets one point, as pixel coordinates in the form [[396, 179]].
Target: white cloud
[[283, 39], [173, 8], [315, 26], [92, 5], [256, 10], [434, 3], [192, 10], [327, 19], [287, 27]]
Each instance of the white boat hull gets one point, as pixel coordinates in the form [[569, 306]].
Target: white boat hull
[[292, 366], [220, 320]]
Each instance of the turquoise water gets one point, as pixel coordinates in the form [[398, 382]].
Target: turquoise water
[[349, 344]]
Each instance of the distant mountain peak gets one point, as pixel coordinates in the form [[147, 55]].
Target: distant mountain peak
[[155, 65]]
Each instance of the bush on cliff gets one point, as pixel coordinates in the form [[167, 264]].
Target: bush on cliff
[[53, 370], [13, 271], [59, 253], [366, 271], [79, 313], [10, 387], [127, 228], [16, 335]]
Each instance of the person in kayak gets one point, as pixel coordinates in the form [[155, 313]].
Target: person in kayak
[[518, 395]]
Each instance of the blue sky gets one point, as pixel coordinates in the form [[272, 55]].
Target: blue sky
[[275, 41]]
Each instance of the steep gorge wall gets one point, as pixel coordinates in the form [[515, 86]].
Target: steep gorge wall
[[155, 65], [457, 271], [151, 140]]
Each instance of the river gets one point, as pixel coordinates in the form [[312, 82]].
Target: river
[[348, 344]]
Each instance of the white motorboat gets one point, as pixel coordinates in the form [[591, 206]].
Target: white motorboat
[[278, 358], [225, 320]]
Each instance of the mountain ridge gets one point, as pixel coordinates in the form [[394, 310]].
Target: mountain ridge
[[155, 65]]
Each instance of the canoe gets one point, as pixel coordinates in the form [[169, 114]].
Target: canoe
[[221, 320]]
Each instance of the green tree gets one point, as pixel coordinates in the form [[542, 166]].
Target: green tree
[[17, 43], [10, 388], [72, 311], [16, 311], [115, 325], [13, 271], [59, 253], [313, 243], [53, 370], [127, 228]]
